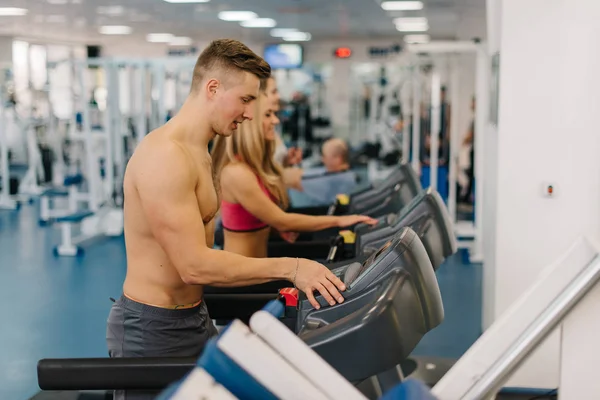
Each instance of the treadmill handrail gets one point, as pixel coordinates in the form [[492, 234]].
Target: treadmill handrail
[[145, 373]]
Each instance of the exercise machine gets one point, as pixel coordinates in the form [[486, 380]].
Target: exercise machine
[[7, 202], [391, 302], [426, 215]]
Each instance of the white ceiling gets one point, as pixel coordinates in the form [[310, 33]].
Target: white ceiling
[[78, 20]]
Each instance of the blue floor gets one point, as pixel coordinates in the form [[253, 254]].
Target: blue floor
[[57, 307]]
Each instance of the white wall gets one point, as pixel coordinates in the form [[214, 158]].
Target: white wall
[[547, 132]]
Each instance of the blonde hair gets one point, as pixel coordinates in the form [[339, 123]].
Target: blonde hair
[[249, 146]]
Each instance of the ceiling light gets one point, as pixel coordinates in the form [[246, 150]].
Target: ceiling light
[[181, 41], [412, 28], [111, 10], [187, 1], [297, 37], [411, 24], [281, 32], [115, 30], [56, 19], [58, 2], [12, 11], [402, 5], [159, 37], [259, 23], [411, 39], [237, 15], [414, 20]]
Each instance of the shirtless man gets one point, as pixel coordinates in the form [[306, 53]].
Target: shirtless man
[[170, 202]]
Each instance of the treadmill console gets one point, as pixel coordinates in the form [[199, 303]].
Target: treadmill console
[[359, 276]]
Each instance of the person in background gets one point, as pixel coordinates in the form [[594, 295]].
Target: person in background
[[253, 194], [465, 194], [284, 156], [323, 187]]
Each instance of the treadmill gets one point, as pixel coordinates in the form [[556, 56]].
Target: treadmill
[[379, 199], [392, 301], [388, 196], [426, 215]]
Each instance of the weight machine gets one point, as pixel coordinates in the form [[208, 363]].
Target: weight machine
[[7, 202]]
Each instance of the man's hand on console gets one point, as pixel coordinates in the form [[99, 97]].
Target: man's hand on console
[[310, 276]]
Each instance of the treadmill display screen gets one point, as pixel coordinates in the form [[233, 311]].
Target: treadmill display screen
[[373, 258]]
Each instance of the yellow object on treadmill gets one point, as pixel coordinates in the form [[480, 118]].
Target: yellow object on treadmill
[[349, 236], [343, 199]]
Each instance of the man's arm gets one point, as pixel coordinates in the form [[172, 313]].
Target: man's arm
[[166, 189]]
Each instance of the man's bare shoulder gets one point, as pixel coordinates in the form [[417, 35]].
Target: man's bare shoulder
[[160, 156]]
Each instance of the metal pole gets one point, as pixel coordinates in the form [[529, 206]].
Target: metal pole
[[142, 127], [538, 330], [435, 129], [109, 127], [416, 120], [162, 114], [481, 109], [454, 137], [92, 167], [405, 118], [5, 200]]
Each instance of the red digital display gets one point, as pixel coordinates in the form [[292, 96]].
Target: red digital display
[[343, 52]]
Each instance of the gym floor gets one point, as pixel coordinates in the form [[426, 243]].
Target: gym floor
[[57, 307]]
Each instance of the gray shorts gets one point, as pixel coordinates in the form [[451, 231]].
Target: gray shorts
[[139, 330]]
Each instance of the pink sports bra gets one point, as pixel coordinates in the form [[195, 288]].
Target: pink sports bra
[[236, 218]]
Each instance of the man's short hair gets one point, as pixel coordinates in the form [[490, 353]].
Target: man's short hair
[[227, 56]]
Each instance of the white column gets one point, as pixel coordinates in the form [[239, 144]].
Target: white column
[[339, 99], [547, 135]]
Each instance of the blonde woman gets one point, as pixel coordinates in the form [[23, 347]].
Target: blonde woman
[[253, 194]]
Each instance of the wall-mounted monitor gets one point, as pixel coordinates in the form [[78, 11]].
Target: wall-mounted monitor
[[284, 56]]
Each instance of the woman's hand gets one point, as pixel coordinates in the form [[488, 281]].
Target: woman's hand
[[349, 220], [289, 237]]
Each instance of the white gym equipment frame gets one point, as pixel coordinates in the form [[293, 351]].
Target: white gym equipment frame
[[463, 229], [565, 297], [29, 187], [101, 218], [7, 202], [147, 79]]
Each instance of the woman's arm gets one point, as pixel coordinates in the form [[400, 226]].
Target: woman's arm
[[292, 178], [241, 182]]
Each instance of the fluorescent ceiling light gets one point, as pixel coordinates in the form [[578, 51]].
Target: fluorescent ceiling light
[[237, 15], [159, 37], [402, 5], [181, 41], [56, 19], [416, 39], [297, 37], [58, 2], [415, 20], [259, 23], [111, 10], [115, 30], [412, 28], [411, 24], [12, 11], [281, 32], [187, 1]]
